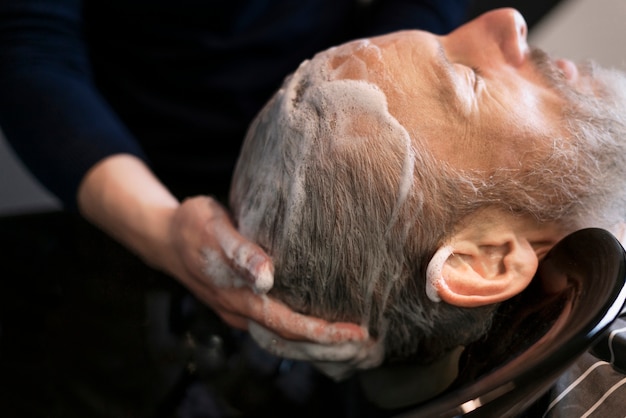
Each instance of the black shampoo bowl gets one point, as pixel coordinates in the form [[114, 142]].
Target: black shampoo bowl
[[577, 294]]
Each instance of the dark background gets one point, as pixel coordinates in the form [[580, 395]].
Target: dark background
[[532, 10]]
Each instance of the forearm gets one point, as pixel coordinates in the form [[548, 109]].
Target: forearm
[[125, 199]]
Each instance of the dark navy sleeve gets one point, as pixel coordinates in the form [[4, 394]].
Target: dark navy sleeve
[[436, 16], [50, 112], [54, 117]]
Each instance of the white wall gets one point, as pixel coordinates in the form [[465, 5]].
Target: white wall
[[19, 192], [582, 29], [575, 29]]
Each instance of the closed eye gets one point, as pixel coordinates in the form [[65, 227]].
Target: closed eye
[[477, 77]]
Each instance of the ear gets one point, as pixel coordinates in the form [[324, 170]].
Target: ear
[[488, 261]]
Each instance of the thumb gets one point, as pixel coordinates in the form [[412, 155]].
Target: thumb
[[246, 258]]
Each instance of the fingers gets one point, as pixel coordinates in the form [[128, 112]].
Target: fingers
[[297, 327], [302, 350], [247, 259], [219, 272], [235, 321], [239, 273], [336, 360], [250, 261], [277, 317], [244, 264]]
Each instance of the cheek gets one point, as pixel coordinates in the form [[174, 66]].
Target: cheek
[[442, 137], [530, 103], [520, 121]]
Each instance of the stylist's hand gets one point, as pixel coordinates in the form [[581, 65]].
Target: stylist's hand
[[231, 275], [196, 243]]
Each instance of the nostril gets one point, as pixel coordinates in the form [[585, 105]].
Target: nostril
[[520, 23]]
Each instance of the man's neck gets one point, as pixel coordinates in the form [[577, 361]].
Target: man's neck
[[403, 385]]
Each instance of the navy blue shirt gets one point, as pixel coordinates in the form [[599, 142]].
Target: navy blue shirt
[[173, 82]]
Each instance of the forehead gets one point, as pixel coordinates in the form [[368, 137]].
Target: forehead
[[394, 62], [410, 69], [404, 65]]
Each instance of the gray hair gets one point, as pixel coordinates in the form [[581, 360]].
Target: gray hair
[[351, 212], [350, 219]]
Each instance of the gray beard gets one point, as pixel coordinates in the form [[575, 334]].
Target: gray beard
[[598, 126], [588, 164]]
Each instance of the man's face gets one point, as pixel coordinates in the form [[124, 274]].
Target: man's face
[[475, 97]]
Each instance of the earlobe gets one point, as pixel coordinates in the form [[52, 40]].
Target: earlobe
[[480, 269]]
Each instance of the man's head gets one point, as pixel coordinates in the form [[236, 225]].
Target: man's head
[[379, 154]]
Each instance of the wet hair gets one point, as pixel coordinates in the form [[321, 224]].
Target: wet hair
[[351, 209], [329, 184]]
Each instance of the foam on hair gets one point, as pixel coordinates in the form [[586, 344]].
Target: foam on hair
[[327, 183], [351, 208], [355, 111]]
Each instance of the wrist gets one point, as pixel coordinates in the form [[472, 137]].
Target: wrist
[[122, 197], [149, 235]]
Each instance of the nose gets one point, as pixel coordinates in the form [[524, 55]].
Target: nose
[[498, 36], [508, 29]]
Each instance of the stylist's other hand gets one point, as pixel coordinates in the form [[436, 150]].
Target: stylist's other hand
[[197, 243], [337, 359], [217, 264], [232, 274]]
